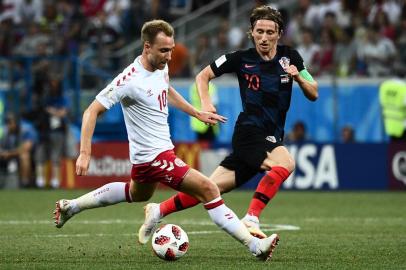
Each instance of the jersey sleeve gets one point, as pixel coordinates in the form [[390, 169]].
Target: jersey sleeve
[[113, 92], [297, 60], [227, 63]]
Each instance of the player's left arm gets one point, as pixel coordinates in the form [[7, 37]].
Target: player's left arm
[[299, 73], [176, 100]]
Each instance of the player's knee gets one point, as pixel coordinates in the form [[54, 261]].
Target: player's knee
[[135, 197], [138, 195], [222, 189], [290, 165], [209, 190]]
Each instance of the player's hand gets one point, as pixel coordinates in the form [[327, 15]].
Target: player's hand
[[292, 71], [208, 107], [210, 118], [82, 164]]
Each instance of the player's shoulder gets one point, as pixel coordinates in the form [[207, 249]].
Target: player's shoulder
[[286, 50], [242, 55], [247, 53], [128, 75]]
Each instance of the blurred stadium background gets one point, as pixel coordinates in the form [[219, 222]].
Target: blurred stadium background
[[339, 142], [79, 46]]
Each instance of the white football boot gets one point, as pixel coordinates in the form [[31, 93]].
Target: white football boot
[[252, 224], [266, 247], [63, 212], [151, 222]]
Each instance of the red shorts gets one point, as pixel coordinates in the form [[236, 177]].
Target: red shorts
[[165, 168]]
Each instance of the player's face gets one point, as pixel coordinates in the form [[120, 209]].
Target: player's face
[[159, 53], [265, 35]]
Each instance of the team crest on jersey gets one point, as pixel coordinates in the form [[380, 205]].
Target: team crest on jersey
[[285, 62], [179, 162]]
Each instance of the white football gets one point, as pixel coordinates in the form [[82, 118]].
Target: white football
[[170, 242]]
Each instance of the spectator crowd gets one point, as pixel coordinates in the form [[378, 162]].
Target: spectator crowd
[[336, 37]]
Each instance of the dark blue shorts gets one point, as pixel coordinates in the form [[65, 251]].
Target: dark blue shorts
[[250, 146]]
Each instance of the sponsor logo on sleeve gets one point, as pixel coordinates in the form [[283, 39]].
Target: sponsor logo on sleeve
[[220, 60]]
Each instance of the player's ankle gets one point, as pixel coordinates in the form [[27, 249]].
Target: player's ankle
[[253, 245], [74, 207]]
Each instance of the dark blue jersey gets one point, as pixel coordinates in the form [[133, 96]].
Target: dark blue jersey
[[265, 87]]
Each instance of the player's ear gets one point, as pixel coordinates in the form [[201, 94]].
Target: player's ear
[[147, 45], [251, 34], [280, 33]]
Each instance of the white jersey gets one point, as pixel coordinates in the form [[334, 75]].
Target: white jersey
[[143, 98]]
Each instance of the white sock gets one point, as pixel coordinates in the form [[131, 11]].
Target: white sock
[[108, 194], [40, 171], [56, 172], [227, 220]]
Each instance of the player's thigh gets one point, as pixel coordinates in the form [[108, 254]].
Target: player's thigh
[[142, 191], [224, 179], [279, 156], [199, 186]]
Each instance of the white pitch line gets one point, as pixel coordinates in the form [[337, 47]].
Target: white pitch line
[[80, 235], [265, 227], [126, 221]]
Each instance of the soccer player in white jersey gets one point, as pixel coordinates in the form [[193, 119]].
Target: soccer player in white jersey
[[144, 92]]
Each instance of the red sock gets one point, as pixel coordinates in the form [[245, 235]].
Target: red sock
[[176, 203], [266, 189]]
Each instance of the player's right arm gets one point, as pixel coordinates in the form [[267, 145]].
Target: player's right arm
[[224, 64], [110, 95], [88, 125], [202, 83]]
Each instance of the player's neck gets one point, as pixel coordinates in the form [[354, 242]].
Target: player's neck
[[268, 55], [147, 65]]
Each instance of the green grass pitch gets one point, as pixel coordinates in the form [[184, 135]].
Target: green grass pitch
[[318, 230]]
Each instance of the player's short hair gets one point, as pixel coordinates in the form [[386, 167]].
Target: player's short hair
[[266, 13], [152, 28]]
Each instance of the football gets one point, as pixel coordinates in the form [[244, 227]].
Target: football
[[170, 242]]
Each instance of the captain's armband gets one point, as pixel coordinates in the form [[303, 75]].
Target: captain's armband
[[306, 75]]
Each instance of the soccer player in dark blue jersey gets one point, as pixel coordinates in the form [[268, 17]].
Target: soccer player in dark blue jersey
[[265, 74]]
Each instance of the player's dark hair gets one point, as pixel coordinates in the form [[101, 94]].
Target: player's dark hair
[[152, 28], [266, 13]]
